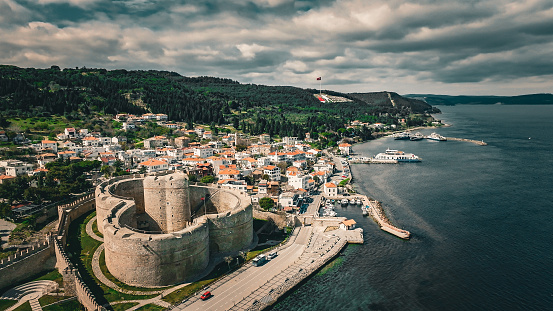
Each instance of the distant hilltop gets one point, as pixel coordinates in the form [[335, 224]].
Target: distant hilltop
[[531, 99]]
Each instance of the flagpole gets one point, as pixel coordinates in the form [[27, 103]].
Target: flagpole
[[320, 79]]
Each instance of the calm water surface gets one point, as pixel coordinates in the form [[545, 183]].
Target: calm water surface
[[481, 219]]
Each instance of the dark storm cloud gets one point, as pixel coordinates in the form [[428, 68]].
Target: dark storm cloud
[[391, 44]]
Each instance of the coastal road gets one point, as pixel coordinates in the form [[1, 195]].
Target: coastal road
[[239, 287]]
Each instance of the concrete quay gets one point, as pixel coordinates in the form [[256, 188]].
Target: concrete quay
[[255, 288]]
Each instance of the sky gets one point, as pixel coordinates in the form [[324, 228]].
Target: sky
[[454, 47]]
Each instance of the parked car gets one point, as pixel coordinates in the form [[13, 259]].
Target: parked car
[[272, 255], [206, 295]]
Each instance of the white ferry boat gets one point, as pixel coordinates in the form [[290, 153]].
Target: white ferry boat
[[402, 136], [435, 136], [397, 155], [417, 136]]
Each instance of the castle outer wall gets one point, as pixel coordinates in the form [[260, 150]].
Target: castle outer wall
[[143, 258]]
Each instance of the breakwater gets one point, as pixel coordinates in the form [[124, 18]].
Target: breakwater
[[477, 142], [377, 213]]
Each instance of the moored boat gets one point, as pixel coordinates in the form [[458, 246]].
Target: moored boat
[[401, 136], [416, 136], [396, 155], [437, 137]]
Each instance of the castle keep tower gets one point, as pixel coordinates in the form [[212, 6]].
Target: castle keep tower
[[166, 202], [156, 230]]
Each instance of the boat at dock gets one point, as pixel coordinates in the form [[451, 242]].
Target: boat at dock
[[402, 136], [352, 201], [344, 201], [437, 137], [358, 202], [396, 155], [416, 136], [365, 210]]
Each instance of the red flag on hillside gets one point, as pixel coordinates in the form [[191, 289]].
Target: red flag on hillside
[[319, 78]]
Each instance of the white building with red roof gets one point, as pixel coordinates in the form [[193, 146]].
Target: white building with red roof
[[154, 165], [330, 189], [273, 172], [345, 148]]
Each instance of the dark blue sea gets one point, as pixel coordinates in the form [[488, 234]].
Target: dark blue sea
[[481, 218]]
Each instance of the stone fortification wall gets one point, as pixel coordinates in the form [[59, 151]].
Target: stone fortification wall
[[199, 192], [232, 230], [156, 259], [27, 263], [166, 201], [278, 218], [133, 188], [72, 282]]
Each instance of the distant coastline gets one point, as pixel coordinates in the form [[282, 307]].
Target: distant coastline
[[448, 100]]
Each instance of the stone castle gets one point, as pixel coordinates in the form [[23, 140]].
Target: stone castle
[[160, 230]]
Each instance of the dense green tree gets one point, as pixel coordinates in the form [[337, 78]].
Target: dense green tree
[[266, 203], [207, 179]]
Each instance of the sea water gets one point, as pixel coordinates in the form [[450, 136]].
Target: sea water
[[481, 219]]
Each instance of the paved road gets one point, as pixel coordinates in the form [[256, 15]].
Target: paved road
[[239, 287]]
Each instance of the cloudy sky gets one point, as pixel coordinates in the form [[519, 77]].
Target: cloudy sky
[[496, 47]]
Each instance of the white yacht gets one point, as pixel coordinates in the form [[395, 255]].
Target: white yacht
[[397, 155], [358, 201], [344, 201]]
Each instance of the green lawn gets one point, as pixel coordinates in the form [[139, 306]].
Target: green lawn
[[5, 303], [44, 125], [150, 307], [123, 306], [24, 307], [95, 228], [47, 299], [66, 305], [53, 275]]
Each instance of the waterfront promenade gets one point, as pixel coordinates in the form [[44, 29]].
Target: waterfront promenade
[[255, 288]]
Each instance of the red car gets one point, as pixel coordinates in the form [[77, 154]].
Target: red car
[[205, 296]]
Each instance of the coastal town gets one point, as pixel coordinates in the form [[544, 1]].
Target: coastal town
[[283, 169], [286, 180]]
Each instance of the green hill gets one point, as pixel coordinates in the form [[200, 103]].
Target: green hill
[[78, 93]]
